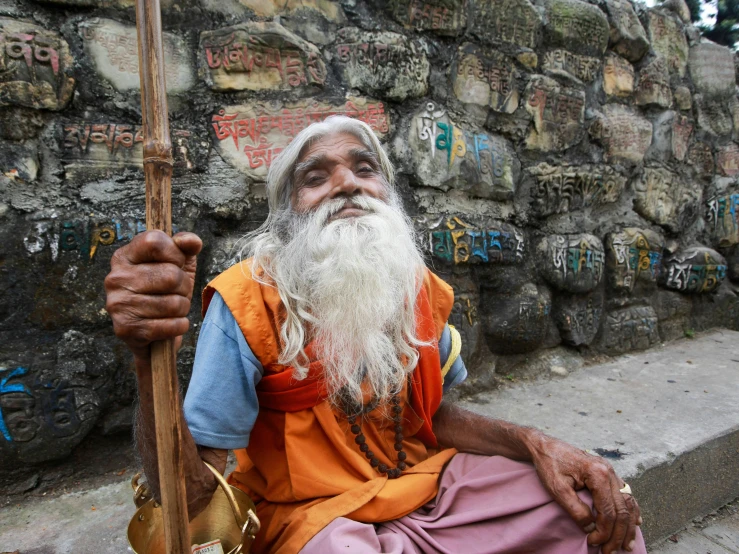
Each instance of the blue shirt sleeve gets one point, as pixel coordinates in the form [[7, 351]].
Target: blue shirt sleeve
[[458, 372], [221, 403]]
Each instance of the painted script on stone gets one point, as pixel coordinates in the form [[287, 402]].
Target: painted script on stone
[[557, 112], [464, 314], [382, 63], [250, 136], [633, 256], [694, 270], [258, 56], [572, 263], [579, 27], [113, 47], [625, 135], [712, 69], [578, 318], [564, 62], [485, 78], [114, 145], [562, 189], [505, 21], [618, 76], [682, 128], [447, 155], [668, 40], [627, 36], [700, 157], [35, 67], [519, 322], [633, 328], [654, 85], [722, 217], [454, 241], [445, 17], [727, 160], [666, 199]]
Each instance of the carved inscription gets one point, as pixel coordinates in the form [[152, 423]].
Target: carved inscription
[[618, 76], [578, 318], [625, 135], [722, 215], [454, 241], [327, 9], [633, 256], [713, 115], [712, 69], [654, 85], [382, 63], [505, 21], [583, 68], [627, 34], [35, 67], [250, 136], [665, 199], [485, 78], [443, 17], [557, 112], [259, 56], [447, 155], [464, 314], [114, 51], [572, 263], [668, 40], [695, 270], [517, 323], [633, 328], [579, 27], [727, 160], [682, 128], [701, 157], [561, 189]]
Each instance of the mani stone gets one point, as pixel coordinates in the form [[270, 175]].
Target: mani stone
[[700, 157], [733, 262], [513, 22], [249, 136], [36, 68], [683, 99], [561, 189], [671, 137], [633, 256], [113, 48], [654, 85], [444, 17], [712, 69], [519, 322], [563, 63], [381, 63], [713, 115], [682, 128], [576, 26], [578, 317], [694, 270], [448, 156], [557, 112], [618, 76], [485, 78], [328, 9], [259, 56], [453, 240], [666, 199], [572, 263], [632, 328], [722, 218], [668, 40], [727, 159], [464, 314], [627, 36], [625, 135]]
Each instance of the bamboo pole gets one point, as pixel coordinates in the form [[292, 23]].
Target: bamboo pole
[[158, 175]]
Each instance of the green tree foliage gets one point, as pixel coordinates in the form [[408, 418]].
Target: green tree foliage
[[726, 29], [695, 7]]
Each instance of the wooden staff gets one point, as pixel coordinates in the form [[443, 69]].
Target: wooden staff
[[158, 174]]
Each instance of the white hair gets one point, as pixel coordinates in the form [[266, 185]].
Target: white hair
[[348, 285]]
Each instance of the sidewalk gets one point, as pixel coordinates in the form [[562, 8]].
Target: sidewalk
[[716, 534]]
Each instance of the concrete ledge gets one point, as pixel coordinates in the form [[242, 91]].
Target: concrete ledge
[[667, 419]]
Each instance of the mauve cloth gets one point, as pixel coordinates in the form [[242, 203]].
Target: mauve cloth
[[485, 504]]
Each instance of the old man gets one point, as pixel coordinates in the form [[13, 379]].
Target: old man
[[322, 362]]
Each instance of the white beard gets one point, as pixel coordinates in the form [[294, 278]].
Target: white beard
[[350, 285]]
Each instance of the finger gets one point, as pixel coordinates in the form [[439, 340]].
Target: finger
[[150, 278], [621, 526], [189, 243], [566, 497], [630, 538], [599, 483], [152, 246], [144, 332], [147, 306]]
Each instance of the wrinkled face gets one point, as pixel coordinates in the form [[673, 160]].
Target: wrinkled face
[[336, 166]]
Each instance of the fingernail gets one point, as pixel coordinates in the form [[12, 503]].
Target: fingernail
[[640, 521], [630, 546], [590, 528]]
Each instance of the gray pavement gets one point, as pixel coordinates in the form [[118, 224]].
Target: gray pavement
[[668, 420]]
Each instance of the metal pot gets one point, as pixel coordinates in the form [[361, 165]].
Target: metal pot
[[230, 517]]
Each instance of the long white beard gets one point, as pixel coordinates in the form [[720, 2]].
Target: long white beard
[[350, 285]]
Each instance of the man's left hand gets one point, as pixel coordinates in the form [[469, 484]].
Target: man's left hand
[[564, 469]]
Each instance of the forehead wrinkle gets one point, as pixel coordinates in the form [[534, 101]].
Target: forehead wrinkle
[[363, 154], [316, 160]]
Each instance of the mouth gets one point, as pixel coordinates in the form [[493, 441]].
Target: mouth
[[347, 212]]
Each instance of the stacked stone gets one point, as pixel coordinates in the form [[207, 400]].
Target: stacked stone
[[572, 167]]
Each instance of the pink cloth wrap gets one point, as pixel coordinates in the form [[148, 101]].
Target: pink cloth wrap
[[485, 504]]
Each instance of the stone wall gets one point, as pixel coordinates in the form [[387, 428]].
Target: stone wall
[[571, 166]]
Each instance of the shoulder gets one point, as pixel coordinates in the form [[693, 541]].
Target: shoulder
[[441, 299]]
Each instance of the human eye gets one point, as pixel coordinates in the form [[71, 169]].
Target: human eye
[[365, 168], [313, 179]]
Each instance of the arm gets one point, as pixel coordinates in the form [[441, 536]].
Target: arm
[[562, 469], [148, 290]]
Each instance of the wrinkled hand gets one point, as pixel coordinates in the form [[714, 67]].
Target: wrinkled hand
[[149, 288], [564, 469]]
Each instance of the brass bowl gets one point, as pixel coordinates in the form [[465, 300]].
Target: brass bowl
[[230, 517]]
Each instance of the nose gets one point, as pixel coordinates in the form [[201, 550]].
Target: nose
[[344, 183]]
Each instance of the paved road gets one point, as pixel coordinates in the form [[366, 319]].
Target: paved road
[[716, 535]]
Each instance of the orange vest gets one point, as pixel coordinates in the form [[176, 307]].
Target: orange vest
[[302, 467]]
